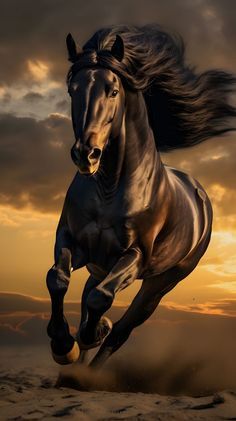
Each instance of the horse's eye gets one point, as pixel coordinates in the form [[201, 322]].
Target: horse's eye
[[114, 93]]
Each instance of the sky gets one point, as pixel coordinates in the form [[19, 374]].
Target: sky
[[36, 136]]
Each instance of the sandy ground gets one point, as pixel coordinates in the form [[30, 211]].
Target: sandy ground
[[28, 392]]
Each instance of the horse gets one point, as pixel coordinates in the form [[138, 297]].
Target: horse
[[126, 214]]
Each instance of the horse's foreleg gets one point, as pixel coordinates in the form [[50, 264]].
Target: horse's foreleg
[[100, 299], [141, 308], [64, 348]]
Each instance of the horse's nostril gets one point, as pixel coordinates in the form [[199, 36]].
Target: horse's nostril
[[95, 153]]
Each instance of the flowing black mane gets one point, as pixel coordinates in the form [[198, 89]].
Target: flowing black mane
[[184, 108]]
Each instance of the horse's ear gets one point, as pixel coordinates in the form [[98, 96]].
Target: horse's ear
[[72, 49], [117, 50]]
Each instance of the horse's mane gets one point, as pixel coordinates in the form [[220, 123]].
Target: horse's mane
[[184, 107]]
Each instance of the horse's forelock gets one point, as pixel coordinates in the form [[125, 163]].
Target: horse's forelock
[[101, 59]]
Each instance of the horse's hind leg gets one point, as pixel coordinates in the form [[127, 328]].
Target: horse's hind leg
[[141, 308], [90, 284]]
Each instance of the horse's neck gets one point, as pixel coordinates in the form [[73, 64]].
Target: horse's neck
[[132, 157], [141, 156]]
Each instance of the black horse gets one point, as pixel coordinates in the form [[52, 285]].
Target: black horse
[[127, 215]]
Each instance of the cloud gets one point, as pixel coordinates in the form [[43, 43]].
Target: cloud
[[32, 97], [36, 168], [220, 258], [33, 68], [226, 286], [33, 54], [38, 101], [212, 162], [224, 268], [223, 307], [18, 311], [180, 348], [38, 69], [32, 35]]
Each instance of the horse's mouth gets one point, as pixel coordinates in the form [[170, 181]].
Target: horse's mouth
[[87, 173], [88, 169]]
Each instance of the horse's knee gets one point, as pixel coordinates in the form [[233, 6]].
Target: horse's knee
[[57, 281], [99, 300]]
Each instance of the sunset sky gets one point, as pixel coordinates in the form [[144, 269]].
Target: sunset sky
[[36, 136]]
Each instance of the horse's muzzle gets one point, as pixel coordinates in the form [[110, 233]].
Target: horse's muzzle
[[86, 159]]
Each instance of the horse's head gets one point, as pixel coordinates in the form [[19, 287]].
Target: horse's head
[[97, 96]]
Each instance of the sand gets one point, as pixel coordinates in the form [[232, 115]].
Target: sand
[[28, 392]]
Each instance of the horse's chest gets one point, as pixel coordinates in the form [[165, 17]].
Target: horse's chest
[[99, 233], [103, 238]]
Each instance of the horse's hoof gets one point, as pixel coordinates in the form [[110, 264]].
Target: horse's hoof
[[103, 329], [68, 358]]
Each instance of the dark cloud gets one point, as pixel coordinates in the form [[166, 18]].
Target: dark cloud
[[39, 31], [62, 106], [6, 98], [214, 161], [32, 97], [35, 161]]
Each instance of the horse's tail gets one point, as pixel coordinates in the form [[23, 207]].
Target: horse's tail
[[190, 108]]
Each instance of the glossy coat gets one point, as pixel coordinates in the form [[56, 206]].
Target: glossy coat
[[126, 215]]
